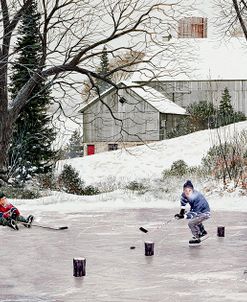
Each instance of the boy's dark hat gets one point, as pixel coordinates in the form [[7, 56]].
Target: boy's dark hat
[[188, 184], [2, 195]]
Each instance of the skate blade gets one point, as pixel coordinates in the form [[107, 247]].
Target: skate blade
[[195, 244], [204, 237]]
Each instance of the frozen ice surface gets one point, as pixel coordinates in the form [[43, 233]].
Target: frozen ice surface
[[36, 264]]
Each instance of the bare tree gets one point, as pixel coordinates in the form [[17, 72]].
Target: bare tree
[[231, 19], [226, 160], [73, 33], [128, 58]]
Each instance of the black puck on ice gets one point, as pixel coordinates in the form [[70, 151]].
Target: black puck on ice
[[143, 230], [132, 247]]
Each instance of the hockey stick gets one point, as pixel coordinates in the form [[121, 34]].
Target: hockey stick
[[142, 229], [45, 226]]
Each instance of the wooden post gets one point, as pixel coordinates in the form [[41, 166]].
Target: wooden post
[[221, 231], [79, 265], [149, 248]]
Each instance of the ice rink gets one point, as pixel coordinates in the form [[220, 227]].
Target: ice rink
[[36, 264]]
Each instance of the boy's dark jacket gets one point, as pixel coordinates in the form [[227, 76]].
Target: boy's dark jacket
[[198, 204]]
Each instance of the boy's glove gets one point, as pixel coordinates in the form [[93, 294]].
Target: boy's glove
[[6, 215], [180, 215], [11, 214]]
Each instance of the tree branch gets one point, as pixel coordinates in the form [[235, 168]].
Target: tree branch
[[240, 18]]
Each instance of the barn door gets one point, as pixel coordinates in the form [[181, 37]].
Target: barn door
[[90, 149]]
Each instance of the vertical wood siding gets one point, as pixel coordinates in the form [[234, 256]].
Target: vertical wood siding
[[139, 120], [184, 93]]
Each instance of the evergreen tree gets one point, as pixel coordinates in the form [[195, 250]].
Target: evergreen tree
[[201, 115], [75, 146], [226, 111], [31, 149], [103, 71], [70, 181]]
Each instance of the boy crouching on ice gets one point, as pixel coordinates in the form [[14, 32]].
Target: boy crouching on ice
[[199, 211]]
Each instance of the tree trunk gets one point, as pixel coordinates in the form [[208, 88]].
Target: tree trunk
[[240, 16], [5, 127], [5, 137]]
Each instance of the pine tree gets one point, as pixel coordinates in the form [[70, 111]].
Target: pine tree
[[103, 71], [202, 115], [70, 181], [75, 146], [31, 149], [226, 111]]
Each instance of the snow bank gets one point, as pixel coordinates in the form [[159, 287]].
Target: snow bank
[[139, 163], [117, 200], [150, 160]]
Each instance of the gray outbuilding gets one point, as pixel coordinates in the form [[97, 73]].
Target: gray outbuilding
[[128, 116]]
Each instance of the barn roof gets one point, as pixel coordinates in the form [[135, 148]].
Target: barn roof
[[158, 100], [148, 94], [197, 59]]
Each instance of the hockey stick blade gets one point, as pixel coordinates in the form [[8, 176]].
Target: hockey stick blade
[[46, 226], [143, 230], [164, 224], [63, 228]]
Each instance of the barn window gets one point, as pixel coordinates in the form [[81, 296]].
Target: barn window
[[122, 100], [112, 147], [192, 27]]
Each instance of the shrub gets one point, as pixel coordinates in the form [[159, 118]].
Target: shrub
[[202, 115], [20, 193], [182, 128], [47, 181], [91, 190], [227, 160], [69, 181], [239, 117], [29, 194], [178, 168], [136, 186]]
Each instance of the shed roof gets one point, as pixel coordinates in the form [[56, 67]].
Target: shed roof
[[158, 100], [148, 94]]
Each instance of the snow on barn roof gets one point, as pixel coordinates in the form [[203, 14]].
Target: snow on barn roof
[[197, 59], [148, 94], [219, 60], [158, 100]]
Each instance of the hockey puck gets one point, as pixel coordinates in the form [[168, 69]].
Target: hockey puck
[[132, 247], [143, 230]]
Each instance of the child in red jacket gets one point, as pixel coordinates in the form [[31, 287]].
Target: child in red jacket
[[10, 215]]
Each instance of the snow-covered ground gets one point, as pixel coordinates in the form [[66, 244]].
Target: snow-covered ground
[[148, 161], [145, 164]]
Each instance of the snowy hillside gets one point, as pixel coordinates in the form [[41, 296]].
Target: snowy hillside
[[148, 161], [143, 163]]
